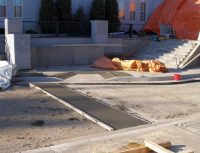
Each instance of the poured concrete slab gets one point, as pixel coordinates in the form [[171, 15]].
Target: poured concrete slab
[[113, 118]]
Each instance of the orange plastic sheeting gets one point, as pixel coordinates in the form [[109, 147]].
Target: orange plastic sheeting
[[104, 63], [130, 65], [187, 20], [182, 15]]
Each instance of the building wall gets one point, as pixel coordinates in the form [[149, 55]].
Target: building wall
[[31, 9]]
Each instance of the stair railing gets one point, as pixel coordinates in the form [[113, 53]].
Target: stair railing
[[177, 58]]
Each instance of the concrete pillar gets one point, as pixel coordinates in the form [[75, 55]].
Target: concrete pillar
[[99, 32], [18, 44]]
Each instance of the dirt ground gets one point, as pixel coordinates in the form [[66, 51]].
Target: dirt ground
[[30, 120], [151, 102]]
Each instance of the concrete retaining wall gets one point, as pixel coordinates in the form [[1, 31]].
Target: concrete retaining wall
[[66, 55], [133, 45], [46, 42], [128, 45]]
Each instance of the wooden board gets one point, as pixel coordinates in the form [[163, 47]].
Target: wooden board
[[140, 148], [156, 147]]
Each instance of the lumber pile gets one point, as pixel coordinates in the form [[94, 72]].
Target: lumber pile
[[149, 147]]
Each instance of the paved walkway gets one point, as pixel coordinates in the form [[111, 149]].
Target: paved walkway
[[87, 75]]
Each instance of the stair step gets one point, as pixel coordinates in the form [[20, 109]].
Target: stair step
[[173, 56], [171, 52]]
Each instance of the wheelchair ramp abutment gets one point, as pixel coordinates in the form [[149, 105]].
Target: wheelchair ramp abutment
[[106, 116]]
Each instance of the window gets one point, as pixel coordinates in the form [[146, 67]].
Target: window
[[132, 10], [143, 11], [18, 8], [2, 8], [121, 4]]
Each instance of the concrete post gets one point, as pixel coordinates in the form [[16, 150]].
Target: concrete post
[[99, 32], [18, 44]]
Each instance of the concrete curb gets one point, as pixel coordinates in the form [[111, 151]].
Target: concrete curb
[[139, 82], [143, 80]]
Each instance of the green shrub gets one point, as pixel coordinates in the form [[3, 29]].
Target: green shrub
[[97, 11], [112, 11], [79, 16], [64, 10], [31, 31], [2, 31], [47, 10]]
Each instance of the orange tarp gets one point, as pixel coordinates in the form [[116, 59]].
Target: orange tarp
[[104, 63], [130, 65], [182, 15]]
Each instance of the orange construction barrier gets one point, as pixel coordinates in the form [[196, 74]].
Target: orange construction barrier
[[182, 15]]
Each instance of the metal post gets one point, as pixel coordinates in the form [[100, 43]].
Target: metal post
[[131, 31]]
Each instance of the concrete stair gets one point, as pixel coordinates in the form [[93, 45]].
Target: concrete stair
[[171, 52]]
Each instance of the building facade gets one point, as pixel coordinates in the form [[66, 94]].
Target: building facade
[[130, 11]]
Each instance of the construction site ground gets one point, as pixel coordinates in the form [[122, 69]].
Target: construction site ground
[[172, 110]]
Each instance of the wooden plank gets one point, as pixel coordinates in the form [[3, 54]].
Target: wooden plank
[[140, 148], [155, 147], [136, 150]]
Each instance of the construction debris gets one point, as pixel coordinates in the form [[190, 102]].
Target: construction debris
[[148, 147], [5, 74], [141, 148], [130, 65]]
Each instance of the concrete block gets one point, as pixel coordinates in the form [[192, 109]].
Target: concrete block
[[99, 31], [19, 49]]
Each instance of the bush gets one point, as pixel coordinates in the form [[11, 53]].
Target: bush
[[47, 14], [2, 31], [98, 10], [31, 31], [79, 16], [47, 11], [64, 10], [111, 13]]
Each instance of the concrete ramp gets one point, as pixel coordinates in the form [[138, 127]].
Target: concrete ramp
[[108, 117]]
